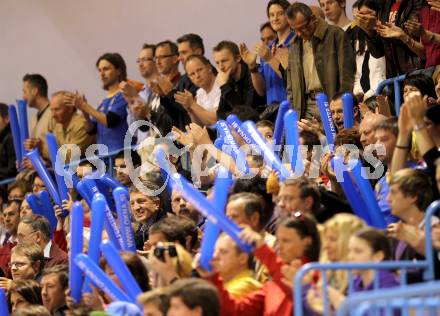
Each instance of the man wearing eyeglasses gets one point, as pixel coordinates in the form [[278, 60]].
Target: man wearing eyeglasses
[[320, 59]]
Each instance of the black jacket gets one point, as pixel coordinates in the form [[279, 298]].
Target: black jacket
[[7, 154]]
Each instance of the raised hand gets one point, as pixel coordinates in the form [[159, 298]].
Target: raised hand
[[185, 98], [128, 89], [414, 27], [263, 51], [250, 58], [389, 30], [435, 4], [223, 76]]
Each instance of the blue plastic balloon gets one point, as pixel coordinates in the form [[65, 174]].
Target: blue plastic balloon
[[105, 190], [52, 146], [292, 140], [3, 303], [236, 153], [235, 123], [120, 269], [44, 198], [76, 247], [87, 188], [23, 119], [218, 143], [16, 138], [210, 211], [269, 156], [350, 190], [211, 232], [110, 182], [122, 201], [100, 279], [368, 195], [279, 123], [35, 158], [347, 107], [35, 205], [326, 118]]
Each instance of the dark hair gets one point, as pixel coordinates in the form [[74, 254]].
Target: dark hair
[[370, 4], [266, 25], [422, 82], [170, 44], [299, 7], [30, 290], [194, 40], [305, 226], [37, 81], [253, 203], [117, 61], [231, 46], [158, 296], [197, 293], [136, 267], [348, 136], [176, 228], [4, 110], [433, 113], [38, 223], [390, 124], [307, 188], [282, 3], [371, 103], [265, 123], [245, 113], [149, 46], [62, 272], [377, 241], [33, 252], [32, 310], [310, 138], [202, 58]]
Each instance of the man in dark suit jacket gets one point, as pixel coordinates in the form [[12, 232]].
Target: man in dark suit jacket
[[36, 229], [7, 153]]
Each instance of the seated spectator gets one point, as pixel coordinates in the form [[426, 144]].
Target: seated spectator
[[335, 236], [35, 229], [16, 191], [266, 130], [11, 218], [335, 13], [367, 128], [23, 293], [193, 297], [338, 113], [202, 109], [27, 262], [234, 79], [7, 151], [70, 127], [54, 283], [182, 207], [368, 245], [155, 302], [418, 83], [125, 171], [109, 119], [235, 267]]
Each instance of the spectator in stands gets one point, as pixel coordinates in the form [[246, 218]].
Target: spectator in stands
[[368, 245], [70, 127], [202, 108], [266, 78], [387, 35], [234, 78], [32, 310], [267, 33], [193, 297], [338, 113], [7, 151], [123, 170], [235, 267], [182, 207], [265, 128], [336, 233], [36, 229], [110, 118], [23, 293], [307, 72], [334, 11], [145, 104], [16, 191], [27, 262], [370, 71], [54, 283], [38, 184], [11, 219], [35, 93], [419, 83], [155, 302], [145, 211], [367, 128]]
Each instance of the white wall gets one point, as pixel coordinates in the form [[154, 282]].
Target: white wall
[[62, 39]]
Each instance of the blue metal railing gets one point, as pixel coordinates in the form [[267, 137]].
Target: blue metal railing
[[417, 297], [427, 265], [397, 93]]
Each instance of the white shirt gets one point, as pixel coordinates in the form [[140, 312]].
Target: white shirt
[[209, 101], [46, 250]]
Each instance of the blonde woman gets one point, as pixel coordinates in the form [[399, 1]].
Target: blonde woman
[[335, 235]]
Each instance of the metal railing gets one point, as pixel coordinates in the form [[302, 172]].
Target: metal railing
[[426, 265], [397, 93]]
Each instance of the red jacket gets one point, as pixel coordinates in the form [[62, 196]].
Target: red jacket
[[273, 299]]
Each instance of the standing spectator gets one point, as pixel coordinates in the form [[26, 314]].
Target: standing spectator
[[335, 13], [387, 36], [110, 118], [320, 59], [267, 33], [7, 152]]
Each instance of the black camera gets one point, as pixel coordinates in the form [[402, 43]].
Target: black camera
[[159, 251]]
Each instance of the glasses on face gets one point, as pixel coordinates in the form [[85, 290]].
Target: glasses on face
[[17, 264], [15, 198], [161, 57], [144, 60]]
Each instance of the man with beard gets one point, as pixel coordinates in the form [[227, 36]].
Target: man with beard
[[110, 118]]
